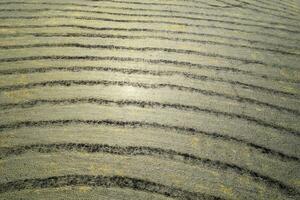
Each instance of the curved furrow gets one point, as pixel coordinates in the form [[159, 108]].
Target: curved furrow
[[197, 41], [158, 16], [147, 10], [173, 99], [150, 22], [105, 181], [255, 9], [138, 30], [154, 73], [203, 2], [183, 64], [134, 124], [142, 104], [288, 4], [258, 9], [150, 104], [149, 151], [159, 4], [279, 4], [242, 4], [283, 7], [94, 193], [160, 129], [167, 50], [208, 147], [153, 61], [268, 7], [68, 83]]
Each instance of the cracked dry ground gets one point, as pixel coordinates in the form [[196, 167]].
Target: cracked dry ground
[[149, 99]]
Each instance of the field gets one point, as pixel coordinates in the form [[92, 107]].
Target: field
[[150, 99]]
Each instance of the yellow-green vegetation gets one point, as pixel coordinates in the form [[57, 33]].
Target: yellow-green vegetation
[[150, 99]]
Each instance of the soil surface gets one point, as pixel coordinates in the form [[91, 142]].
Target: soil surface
[[150, 99]]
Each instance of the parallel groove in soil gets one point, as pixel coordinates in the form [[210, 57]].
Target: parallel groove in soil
[[135, 124], [150, 151]]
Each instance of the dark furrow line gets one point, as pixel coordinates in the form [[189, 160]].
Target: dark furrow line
[[286, 4], [285, 11], [255, 9], [291, 3], [151, 61], [270, 8], [143, 104], [155, 152], [161, 4], [198, 1], [240, 5], [143, 124], [279, 4], [152, 9], [142, 49], [229, 4], [163, 16], [137, 84], [151, 22], [196, 19], [154, 73], [69, 83], [283, 8], [203, 2], [152, 31], [147, 37], [104, 181]]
